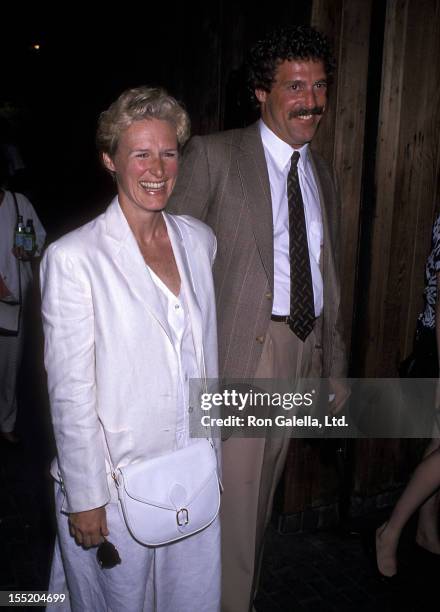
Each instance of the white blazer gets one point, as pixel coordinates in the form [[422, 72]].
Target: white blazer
[[111, 364]]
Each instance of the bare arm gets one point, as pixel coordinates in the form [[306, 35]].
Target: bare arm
[[437, 337]]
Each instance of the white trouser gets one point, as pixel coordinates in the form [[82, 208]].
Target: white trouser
[[180, 577]]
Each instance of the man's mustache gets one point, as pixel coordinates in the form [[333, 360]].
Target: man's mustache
[[301, 112]]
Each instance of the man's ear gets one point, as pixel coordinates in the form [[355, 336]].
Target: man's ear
[[261, 95], [108, 162]]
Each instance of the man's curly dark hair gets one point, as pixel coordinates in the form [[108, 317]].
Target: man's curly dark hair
[[286, 43]]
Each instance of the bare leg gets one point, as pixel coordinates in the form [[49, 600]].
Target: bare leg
[[427, 527], [424, 481], [427, 535]]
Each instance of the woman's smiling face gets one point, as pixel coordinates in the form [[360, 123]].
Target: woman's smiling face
[[145, 165]]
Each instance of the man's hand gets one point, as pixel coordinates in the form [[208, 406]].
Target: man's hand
[[88, 527], [341, 391], [22, 255]]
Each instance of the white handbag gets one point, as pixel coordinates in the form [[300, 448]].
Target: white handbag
[[172, 496]]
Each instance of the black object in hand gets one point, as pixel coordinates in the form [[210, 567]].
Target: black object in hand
[[107, 555]]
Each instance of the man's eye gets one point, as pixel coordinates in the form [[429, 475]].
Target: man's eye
[[170, 154], [142, 155]]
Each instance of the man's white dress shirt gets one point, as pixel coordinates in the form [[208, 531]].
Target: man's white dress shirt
[[278, 154]]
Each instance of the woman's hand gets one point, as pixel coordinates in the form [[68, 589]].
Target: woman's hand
[[88, 527]]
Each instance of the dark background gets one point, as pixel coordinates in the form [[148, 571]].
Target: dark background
[[55, 94], [196, 50]]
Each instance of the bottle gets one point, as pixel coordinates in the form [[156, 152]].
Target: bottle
[[19, 232], [29, 237]]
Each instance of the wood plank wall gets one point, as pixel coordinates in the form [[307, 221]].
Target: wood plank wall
[[405, 195], [407, 180], [308, 480], [407, 166], [341, 141]]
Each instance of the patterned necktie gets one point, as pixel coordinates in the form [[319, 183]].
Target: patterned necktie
[[302, 309]]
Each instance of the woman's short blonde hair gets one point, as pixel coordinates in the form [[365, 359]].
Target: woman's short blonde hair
[[137, 104]]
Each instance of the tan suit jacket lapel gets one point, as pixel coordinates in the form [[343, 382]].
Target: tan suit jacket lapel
[[255, 182]]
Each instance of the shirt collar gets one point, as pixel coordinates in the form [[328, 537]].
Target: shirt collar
[[280, 151]]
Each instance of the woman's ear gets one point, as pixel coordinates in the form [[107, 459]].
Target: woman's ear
[[108, 163]]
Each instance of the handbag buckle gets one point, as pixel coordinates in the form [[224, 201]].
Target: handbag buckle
[[182, 517]]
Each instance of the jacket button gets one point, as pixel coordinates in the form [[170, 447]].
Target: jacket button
[[269, 295], [318, 346], [260, 339]]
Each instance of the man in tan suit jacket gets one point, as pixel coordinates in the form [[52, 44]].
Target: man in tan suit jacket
[[236, 182]]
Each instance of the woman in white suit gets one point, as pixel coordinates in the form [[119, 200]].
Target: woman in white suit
[[129, 318]]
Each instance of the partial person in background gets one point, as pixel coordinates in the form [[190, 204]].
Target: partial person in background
[[15, 285], [15, 171], [421, 491]]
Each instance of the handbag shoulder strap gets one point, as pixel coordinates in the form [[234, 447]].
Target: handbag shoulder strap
[[17, 212], [15, 203]]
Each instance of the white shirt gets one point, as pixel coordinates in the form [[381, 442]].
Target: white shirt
[[8, 220], [278, 154], [180, 326]]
